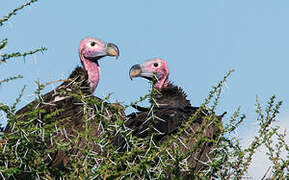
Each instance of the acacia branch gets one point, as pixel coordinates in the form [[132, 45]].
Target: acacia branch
[[5, 57], [6, 18]]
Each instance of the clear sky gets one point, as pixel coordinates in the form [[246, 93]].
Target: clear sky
[[201, 41]]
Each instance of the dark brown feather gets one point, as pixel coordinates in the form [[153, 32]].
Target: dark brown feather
[[171, 109], [71, 117]]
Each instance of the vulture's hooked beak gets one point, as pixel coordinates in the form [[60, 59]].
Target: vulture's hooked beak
[[137, 71], [112, 50]]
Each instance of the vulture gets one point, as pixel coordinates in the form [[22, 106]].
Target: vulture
[[170, 109], [64, 104]]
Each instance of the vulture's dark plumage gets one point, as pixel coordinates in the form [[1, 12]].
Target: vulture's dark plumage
[[171, 109], [82, 82]]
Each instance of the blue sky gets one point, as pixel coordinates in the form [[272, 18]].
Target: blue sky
[[201, 41]]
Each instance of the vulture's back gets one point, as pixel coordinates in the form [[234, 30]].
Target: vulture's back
[[169, 118], [67, 110]]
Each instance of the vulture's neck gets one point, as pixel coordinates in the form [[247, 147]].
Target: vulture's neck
[[171, 96], [93, 72]]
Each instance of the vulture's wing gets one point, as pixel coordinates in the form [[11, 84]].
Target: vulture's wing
[[167, 121], [67, 113]]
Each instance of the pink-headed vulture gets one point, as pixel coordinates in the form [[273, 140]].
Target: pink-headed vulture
[[169, 109], [66, 105]]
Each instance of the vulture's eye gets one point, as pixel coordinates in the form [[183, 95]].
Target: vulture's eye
[[156, 64], [92, 43]]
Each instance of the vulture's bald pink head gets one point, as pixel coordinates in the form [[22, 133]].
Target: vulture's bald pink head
[[90, 51], [153, 69]]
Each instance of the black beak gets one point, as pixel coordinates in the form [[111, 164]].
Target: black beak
[[112, 50], [135, 71]]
